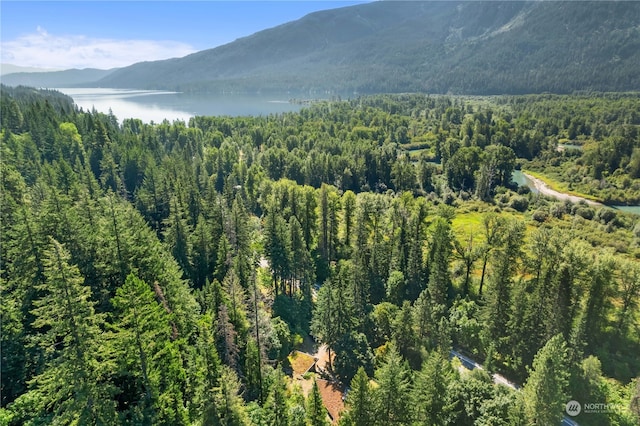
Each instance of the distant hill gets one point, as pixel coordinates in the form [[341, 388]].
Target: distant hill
[[66, 78], [11, 69], [472, 47]]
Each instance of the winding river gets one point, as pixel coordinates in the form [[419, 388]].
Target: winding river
[[537, 186]]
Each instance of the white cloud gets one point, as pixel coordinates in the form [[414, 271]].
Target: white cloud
[[44, 50]]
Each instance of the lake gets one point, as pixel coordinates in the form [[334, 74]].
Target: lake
[[156, 106]]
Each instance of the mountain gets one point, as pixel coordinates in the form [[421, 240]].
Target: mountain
[[11, 69], [473, 47], [66, 78]]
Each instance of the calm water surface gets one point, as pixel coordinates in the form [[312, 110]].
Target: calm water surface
[[156, 106]]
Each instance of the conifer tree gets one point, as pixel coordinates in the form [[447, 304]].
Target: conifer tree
[[202, 256], [238, 231], [278, 250], [468, 255], [545, 390], [228, 402], [598, 300], [403, 332], [629, 290], [323, 321], [22, 253], [177, 235], [277, 412], [309, 218], [329, 204], [359, 401], [391, 398], [423, 318], [203, 368], [348, 202], [297, 407], [439, 255], [301, 262], [432, 393], [253, 370], [493, 227], [415, 274], [140, 326], [316, 413], [144, 338], [237, 301], [224, 258], [74, 386], [227, 338], [498, 307]]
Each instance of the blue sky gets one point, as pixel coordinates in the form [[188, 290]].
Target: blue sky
[[107, 34]]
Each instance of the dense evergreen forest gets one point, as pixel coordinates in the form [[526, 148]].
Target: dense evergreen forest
[[166, 273]]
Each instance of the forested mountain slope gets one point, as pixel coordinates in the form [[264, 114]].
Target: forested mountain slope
[[164, 273], [66, 78], [436, 47]]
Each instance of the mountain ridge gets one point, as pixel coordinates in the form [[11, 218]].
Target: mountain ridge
[[61, 78], [458, 47]]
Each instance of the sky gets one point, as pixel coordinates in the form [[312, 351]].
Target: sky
[[109, 34]]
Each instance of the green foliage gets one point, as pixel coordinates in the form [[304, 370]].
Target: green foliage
[[545, 392], [316, 413], [276, 411], [140, 263], [352, 353], [391, 398], [432, 394], [73, 387], [359, 401]]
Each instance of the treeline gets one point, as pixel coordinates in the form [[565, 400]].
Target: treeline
[[161, 274]]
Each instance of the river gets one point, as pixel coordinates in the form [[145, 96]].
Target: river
[[537, 186]]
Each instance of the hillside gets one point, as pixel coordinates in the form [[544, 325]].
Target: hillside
[[66, 78], [439, 47], [475, 48], [12, 69]]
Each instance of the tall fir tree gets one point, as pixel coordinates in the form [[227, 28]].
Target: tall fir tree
[[277, 413], [359, 401], [433, 396], [392, 396], [316, 413], [74, 387], [545, 391]]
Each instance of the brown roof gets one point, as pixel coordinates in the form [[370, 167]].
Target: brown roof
[[331, 397]]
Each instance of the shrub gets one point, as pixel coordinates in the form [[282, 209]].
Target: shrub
[[520, 204], [585, 212], [523, 190], [557, 210], [540, 215], [606, 215]]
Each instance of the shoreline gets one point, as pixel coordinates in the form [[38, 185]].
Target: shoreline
[[544, 189]]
